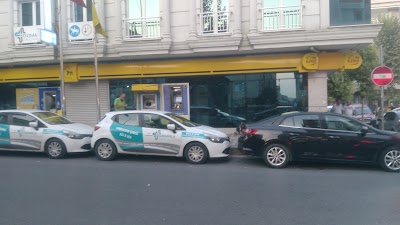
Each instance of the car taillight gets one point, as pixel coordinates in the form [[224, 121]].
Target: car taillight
[[96, 128], [249, 131]]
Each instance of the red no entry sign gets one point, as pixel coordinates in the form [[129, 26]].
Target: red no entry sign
[[382, 75]]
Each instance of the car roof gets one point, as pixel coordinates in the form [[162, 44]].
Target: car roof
[[22, 110]]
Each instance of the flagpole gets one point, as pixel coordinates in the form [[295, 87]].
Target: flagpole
[[96, 76], [60, 48]]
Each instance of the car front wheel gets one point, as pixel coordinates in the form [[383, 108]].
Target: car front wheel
[[276, 156], [55, 149], [105, 150], [390, 159], [196, 153]]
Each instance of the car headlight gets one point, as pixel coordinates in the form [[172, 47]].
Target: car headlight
[[73, 135], [216, 139]]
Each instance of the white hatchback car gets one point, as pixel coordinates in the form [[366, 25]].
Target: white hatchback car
[[157, 133], [41, 131]]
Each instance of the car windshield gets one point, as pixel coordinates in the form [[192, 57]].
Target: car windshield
[[52, 118], [366, 110], [182, 120]]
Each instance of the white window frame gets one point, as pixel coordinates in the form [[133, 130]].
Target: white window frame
[[34, 22], [215, 17], [84, 13], [280, 10], [144, 21]]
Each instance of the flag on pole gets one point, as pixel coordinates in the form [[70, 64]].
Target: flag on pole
[[80, 2], [96, 22]]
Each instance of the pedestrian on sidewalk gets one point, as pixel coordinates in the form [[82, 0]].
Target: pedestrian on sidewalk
[[338, 107], [119, 103], [348, 110]]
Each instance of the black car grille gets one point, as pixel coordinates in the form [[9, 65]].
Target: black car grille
[[227, 151], [86, 146]]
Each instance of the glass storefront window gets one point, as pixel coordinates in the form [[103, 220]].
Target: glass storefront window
[[226, 100], [350, 12]]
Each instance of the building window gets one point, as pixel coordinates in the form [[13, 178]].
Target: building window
[[349, 12], [281, 14], [30, 13], [83, 14], [215, 16], [143, 19]]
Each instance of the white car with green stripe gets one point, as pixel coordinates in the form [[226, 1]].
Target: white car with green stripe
[[42, 131], [157, 133]]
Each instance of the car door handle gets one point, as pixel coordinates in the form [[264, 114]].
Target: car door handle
[[294, 134], [334, 137]]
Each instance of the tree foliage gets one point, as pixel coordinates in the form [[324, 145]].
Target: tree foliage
[[339, 86], [389, 39]]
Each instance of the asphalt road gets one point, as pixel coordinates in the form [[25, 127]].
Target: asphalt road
[[154, 190]]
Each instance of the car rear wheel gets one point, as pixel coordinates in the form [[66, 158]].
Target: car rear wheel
[[276, 156], [105, 150], [55, 149], [196, 153], [390, 159]]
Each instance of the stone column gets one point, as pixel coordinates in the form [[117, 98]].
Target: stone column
[[123, 17], [118, 20], [237, 18], [166, 19], [11, 23], [192, 20], [253, 16], [317, 91]]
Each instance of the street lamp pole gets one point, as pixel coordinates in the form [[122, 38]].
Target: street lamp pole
[[382, 89], [60, 48]]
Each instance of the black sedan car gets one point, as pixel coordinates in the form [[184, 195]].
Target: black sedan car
[[319, 136]]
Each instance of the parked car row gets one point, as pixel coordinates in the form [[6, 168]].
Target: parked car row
[[277, 140], [127, 132]]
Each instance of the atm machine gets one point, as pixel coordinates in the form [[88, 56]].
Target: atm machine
[[172, 97]]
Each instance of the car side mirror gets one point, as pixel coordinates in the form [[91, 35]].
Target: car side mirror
[[34, 124], [364, 131], [171, 127]]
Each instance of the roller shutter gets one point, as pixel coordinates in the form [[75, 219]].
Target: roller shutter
[[81, 101]]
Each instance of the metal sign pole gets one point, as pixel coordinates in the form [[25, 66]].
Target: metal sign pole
[[96, 71], [382, 89], [60, 48]]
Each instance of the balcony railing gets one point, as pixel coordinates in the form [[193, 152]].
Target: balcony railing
[[288, 17], [214, 22], [143, 27]]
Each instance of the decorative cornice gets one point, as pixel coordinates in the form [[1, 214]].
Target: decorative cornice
[[343, 35], [215, 43]]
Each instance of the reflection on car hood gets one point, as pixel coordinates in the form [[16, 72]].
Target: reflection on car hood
[[75, 127], [208, 130]]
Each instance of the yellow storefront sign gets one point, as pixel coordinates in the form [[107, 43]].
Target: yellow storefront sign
[[310, 61], [196, 67], [145, 87]]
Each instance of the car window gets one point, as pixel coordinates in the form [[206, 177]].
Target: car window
[[22, 120], [358, 110], [311, 121], [155, 121], [390, 116], [342, 123], [130, 119], [288, 122], [52, 118], [3, 119]]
